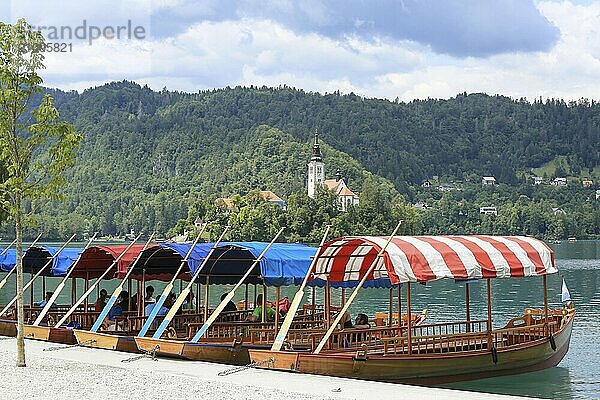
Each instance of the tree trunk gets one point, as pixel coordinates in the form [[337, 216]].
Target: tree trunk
[[20, 315]]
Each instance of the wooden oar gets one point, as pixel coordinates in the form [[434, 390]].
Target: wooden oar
[[49, 262], [61, 285], [230, 295], [96, 283], [113, 298], [183, 295], [13, 269], [289, 317], [355, 292], [161, 300]]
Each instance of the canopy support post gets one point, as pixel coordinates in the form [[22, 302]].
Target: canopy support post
[[43, 287], [139, 299], [246, 297], [277, 294], [546, 325], [391, 307], [468, 306], [409, 322], [32, 290], [314, 299], [399, 309], [198, 293], [489, 313], [264, 304], [73, 290], [205, 317], [343, 297], [87, 286], [327, 304], [129, 287]]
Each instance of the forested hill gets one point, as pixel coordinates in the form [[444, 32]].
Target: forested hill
[[148, 155], [404, 142]]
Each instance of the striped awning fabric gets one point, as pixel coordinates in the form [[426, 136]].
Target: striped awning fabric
[[427, 258]]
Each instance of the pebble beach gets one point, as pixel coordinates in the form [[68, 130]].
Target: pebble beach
[[98, 374]]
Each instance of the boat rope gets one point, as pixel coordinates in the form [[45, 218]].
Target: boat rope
[[80, 344], [146, 354], [269, 360]]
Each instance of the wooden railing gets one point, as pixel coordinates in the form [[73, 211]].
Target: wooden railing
[[439, 338]]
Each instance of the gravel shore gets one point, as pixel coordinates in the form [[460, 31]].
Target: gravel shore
[[98, 374]]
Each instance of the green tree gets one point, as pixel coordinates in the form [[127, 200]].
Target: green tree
[[35, 147]]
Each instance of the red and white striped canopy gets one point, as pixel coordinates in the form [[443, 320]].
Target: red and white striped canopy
[[427, 258]]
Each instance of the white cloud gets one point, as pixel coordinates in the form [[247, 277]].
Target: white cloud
[[249, 51]]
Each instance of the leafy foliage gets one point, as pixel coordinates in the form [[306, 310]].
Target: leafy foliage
[[150, 157]]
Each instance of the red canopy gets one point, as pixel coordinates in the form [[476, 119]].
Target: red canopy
[[427, 258], [96, 259]]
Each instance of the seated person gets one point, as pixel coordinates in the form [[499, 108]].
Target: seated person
[[164, 309], [346, 321], [189, 303], [125, 302], [230, 306], [362, 322], [46, 300], [257, 313], [110, 322], [149, 295], [101, 302]]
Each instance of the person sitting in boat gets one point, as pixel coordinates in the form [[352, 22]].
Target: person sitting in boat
[[346, 321], [110, 322], [257, 313], [362, 322], [101, 302], [164, 309], [149, 295], [46, 300], [229, 307], [189, 303], [125, 302]]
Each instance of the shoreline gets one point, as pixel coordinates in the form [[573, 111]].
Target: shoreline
[[95, 373]]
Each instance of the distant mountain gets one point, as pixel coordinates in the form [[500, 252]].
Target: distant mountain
[[147, 154]]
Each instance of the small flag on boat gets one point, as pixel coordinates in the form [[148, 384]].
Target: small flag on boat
[[565, 295]]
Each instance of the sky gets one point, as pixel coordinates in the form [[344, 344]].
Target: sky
[[404, 49]]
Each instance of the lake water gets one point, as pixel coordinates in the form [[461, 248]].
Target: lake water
[[576, 377]]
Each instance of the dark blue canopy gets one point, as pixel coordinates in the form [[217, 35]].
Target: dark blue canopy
[[284, 264], [36, 257]]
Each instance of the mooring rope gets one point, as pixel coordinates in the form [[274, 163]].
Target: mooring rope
[[81, 344], [148, 353], [270, 360]]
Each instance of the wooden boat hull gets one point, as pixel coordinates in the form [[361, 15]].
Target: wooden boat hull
[[8, 328], [425, 368], [100, 340], [226, 353], [49, 334]]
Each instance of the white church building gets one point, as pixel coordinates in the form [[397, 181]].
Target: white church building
[[316, 178]]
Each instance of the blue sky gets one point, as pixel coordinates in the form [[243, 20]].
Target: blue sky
[[377, 48]]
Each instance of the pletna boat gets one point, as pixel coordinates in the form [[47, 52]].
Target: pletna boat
[[444, 352]]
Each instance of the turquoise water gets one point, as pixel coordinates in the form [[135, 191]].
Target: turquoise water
[[576, 377]]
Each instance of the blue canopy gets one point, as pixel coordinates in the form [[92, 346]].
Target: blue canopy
[[8, 260], [284, 264], [36, 257]]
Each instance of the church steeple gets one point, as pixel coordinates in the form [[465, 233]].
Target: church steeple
[[316, 168], [316, 153]]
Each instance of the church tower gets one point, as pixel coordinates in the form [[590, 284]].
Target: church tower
[[316, 169]]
